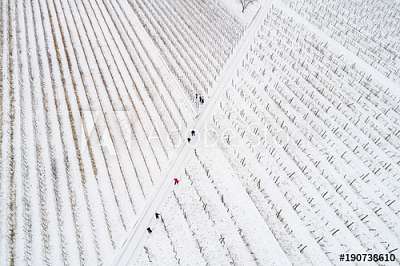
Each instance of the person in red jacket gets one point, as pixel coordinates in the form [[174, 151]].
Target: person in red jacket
[[176, 181]]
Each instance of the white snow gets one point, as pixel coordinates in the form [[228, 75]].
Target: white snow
[[296, 152]]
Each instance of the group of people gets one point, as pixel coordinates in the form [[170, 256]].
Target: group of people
[[175, 179], [176, 182], [158, 215], [193, 133], [200, 98]]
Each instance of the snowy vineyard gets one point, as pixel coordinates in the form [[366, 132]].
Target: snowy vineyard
[[307, 164], [91, 116], [171, 132]]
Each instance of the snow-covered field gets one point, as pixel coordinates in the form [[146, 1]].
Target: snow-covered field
[[368, 28], [295, 154], [195, 37]]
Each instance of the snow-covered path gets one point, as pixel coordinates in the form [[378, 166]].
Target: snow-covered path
[[134, 241], [315, 244], [296, 113], [91, 114]]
